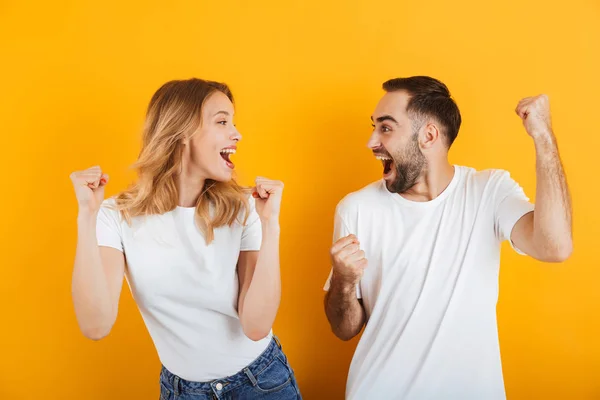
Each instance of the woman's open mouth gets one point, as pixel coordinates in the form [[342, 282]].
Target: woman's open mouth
[[226, 154]]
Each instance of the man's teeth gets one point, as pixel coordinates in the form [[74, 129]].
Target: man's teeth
[[228, 151], [383, 158]]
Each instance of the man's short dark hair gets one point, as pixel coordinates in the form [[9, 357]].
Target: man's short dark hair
[[429, 98]]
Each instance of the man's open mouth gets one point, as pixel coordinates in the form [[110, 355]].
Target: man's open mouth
[[386, 161]]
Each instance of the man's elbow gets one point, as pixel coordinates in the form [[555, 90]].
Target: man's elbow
[[345, 336], [560, 253], [345, 333], [564, 253]]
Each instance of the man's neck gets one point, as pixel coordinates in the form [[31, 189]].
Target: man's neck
[[432, 182]]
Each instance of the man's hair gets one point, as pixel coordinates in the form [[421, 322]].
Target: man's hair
[[429, 98]]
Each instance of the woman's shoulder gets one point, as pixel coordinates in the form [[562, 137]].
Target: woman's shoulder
[[110, 202], [109, 208]]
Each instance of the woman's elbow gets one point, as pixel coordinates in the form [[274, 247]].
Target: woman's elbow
[[95, 333], [97, 328], [256, 333]]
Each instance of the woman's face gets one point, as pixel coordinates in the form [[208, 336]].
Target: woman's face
[[212, 145]]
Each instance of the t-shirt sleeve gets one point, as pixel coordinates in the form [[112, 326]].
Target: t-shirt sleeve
[[511, 204], [108, 226], [252, 232], [340, 229]]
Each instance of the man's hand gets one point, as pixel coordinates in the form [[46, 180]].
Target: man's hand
[[535, 113], [348, 260]]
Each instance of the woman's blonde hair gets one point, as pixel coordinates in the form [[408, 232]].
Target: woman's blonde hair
[[173, 115]]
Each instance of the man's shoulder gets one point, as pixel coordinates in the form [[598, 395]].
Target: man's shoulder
[[373, 192], [483, 176]]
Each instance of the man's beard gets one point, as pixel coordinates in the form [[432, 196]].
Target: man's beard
[[409, 169]]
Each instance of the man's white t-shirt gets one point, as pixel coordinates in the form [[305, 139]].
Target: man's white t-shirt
[[186, 290], [431, 287]]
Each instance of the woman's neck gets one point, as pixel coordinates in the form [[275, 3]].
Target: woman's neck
[[189, 187]]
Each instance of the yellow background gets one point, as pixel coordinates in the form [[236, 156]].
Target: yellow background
[[76, 78]]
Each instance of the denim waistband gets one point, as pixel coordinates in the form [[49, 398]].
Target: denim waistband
[[180, 385]]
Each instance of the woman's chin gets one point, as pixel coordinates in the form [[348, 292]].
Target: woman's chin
[[222, 177]]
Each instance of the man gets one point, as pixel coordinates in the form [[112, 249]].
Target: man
[[416, 255]]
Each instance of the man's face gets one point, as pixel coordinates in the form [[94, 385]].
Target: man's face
[[395, 142]]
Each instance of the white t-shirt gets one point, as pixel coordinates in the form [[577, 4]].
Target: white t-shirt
[[431, 287], [187, 291]]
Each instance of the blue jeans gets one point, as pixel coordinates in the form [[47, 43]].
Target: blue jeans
[[269, 377]]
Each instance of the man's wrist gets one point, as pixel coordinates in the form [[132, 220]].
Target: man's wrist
[[342, 285]]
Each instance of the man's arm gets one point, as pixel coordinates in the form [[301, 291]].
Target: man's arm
[[344, 311], [546, 233]]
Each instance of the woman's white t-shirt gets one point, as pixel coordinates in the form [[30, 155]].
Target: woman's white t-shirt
[[186, 290]]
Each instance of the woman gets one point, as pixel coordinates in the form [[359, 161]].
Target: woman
[[200, 254]]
